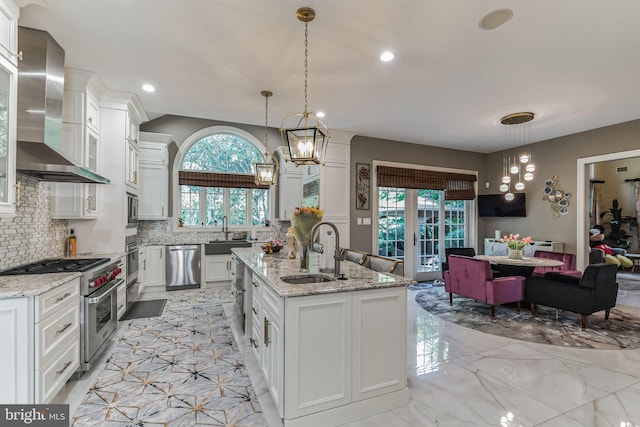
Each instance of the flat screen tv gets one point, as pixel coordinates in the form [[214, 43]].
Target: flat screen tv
[[492, 205]]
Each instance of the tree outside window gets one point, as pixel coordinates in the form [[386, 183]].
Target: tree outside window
[[223, 152]]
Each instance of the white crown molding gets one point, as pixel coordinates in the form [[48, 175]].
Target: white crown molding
[[23, 3]]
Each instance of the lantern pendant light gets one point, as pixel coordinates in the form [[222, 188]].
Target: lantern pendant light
[[305, 135], [266, 173]]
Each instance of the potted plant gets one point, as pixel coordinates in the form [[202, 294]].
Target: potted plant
[[180, 222], [618, 238]]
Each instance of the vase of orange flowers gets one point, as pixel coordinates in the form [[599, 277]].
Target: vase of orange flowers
[[302, 221], [515, 245]]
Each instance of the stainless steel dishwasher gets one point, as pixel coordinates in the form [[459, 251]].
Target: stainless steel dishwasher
[[183, 267]]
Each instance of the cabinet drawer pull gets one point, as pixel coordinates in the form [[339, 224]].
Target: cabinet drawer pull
[[254, 310], [65, 296], [64, 368], [255, 284], [253, 342], [64, 328], [267, 339]]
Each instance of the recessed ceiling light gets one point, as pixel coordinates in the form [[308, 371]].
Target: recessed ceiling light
[[320, 114], [494, 19], [386, 56], [148, 87]]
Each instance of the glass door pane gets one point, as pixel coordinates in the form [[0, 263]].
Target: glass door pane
[[391, 222], [428, 233]]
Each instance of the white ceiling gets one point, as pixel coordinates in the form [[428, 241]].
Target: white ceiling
[[574, 63]]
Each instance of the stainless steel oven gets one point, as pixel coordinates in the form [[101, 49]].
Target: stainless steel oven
[[99, 302], [99, 309], [133, 265], [132, 210]]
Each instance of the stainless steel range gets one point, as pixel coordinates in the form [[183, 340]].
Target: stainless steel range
[[98, 300]]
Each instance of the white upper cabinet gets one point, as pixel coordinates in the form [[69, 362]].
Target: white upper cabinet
[[80, 143], [289, 186], [153, 195], [9, 12]]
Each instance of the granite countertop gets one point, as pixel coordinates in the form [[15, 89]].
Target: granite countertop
[[111, 255], [272, 267], [27, 285]]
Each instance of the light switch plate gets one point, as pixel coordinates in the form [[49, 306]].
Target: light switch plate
[[359, 221], [366, 221]]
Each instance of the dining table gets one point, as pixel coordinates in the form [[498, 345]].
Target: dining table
[[518, 267]]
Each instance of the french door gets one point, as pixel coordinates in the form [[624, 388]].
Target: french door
[[417, 225]]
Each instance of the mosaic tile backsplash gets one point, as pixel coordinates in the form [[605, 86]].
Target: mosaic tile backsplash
[[160, 233], [31, 234]]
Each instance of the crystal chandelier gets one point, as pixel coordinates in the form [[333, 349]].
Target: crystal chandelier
[[303, 133], [266, 173], [516, 168]]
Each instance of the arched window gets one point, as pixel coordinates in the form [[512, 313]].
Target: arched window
[[215, 179]]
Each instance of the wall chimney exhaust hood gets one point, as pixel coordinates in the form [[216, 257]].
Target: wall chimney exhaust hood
[[40, 94]]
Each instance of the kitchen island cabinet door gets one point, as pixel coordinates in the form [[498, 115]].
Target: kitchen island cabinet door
[[318, 348], [379, 337], [16, 335]]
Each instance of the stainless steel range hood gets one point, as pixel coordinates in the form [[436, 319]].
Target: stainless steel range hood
[[40, 94]]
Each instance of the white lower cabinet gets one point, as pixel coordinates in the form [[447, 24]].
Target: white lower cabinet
[[154, 266], [16, 335], [331, 356], [217, 268], [41, 336], [495, 247], [121, 293]]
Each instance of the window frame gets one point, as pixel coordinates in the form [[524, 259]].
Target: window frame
[[177, 163]]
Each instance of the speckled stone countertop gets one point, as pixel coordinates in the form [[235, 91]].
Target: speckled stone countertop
[[272, 267], [27, 285]]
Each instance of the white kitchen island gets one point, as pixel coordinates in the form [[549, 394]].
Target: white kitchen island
[[330, 352]]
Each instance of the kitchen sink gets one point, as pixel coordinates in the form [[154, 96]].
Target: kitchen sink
[[303, 279], [221, 247]]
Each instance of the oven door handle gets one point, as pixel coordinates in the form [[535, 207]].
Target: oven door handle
[[104, 293]]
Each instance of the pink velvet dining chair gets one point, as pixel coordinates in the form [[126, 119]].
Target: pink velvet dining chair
[[473, 278], [568, 264]]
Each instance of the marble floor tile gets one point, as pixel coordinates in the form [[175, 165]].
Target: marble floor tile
[[456, 376]]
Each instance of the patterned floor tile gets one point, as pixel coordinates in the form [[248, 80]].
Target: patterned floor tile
[[182, 368]]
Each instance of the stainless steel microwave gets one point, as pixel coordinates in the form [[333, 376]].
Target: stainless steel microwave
[[132, 210]]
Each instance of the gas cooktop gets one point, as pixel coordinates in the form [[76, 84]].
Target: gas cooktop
[[62, 265]]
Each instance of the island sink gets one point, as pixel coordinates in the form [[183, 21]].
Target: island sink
[[304, 279]]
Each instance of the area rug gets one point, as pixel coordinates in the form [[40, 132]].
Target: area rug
[[623, 331], [628, 281], [142, 309], [180, 369]]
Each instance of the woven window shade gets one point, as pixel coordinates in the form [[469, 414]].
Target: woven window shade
[[457, 186], [216, 179], [460, 187]]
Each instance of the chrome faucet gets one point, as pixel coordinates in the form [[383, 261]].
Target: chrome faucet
[[225, 227], [336, 256]]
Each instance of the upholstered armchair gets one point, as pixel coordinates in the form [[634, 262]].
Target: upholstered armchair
[[352, 255], [384, 264], [473, 278], [596, 290], [470, 252]]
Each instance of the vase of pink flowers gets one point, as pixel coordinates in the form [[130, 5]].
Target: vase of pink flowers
[[515, 245]]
